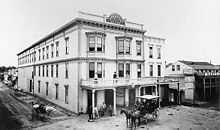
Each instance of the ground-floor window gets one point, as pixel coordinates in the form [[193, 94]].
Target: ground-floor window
[[57, 91], [47, 84], [66, 93], [39, 86]]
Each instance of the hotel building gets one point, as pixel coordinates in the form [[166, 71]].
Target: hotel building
[[90, 60]]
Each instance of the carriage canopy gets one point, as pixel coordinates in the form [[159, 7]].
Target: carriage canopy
[[148, 97]]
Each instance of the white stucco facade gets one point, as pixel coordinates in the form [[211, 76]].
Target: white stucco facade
[[90, 72]]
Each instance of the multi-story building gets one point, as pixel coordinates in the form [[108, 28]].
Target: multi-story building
[[91, 60], [198, 80]]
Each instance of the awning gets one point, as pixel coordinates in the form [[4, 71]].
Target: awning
[[148, 97]]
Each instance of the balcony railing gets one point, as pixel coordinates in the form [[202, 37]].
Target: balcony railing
[[99, 83]]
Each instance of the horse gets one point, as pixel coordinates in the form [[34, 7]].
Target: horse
[[127, 114], [135, 115]]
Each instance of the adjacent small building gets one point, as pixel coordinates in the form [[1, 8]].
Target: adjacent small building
[[199, 81]]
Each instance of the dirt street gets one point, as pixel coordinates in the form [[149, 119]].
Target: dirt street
[[177, 117]]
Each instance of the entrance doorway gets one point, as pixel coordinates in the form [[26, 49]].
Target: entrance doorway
[[132, 97], [109, 97]]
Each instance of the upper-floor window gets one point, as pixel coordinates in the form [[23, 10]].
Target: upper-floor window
[[120, 70], [92, 70], [139, 70], [66, 70], [158, 70], [38, 70], [178, 67], [34, 56], [173, 67], [57, 48], [96, 41], [95, 69], [124, 70], [150, 52], [47, 70], [124, 46], [127, 70], [92, 43], [158, 52], [52, 49], [43, 71], [67, 46], [99, 70], [47, 52], [51, 70], [57, 71], [151, 70], [43, 53], [39, 51], [138, 47]]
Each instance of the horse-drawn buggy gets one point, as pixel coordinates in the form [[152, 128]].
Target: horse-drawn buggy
[[146, 108]]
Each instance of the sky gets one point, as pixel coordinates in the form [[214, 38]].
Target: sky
[[191, 27]]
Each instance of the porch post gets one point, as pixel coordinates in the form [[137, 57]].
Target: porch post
[[114, 103], [93, 101]]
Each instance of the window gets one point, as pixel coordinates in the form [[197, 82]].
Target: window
[[39, 51], [57, 49], [121, 70], [66, 93], [95, 41], [47, 70], [43, 71], [139, 70], [120, 47], [127, 46], [34, 71], [127, 69], [151, 70], [43, 51], [51, 70], [47, 52], [91, 70], [150, 52], [99, 44], [38, 86], [158, 70], [52, 48], [47, 85], [173, 67], [66, 70], [158, 53], [91, 43], [178, 67], [57, 70], [39, 71], [99, 70], [34, 56], [67, 45], [57, 91], [138, 46]]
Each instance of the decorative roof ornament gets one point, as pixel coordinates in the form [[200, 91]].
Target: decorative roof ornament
[[115, 18]]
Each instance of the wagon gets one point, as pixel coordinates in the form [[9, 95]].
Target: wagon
[[148, 106]]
